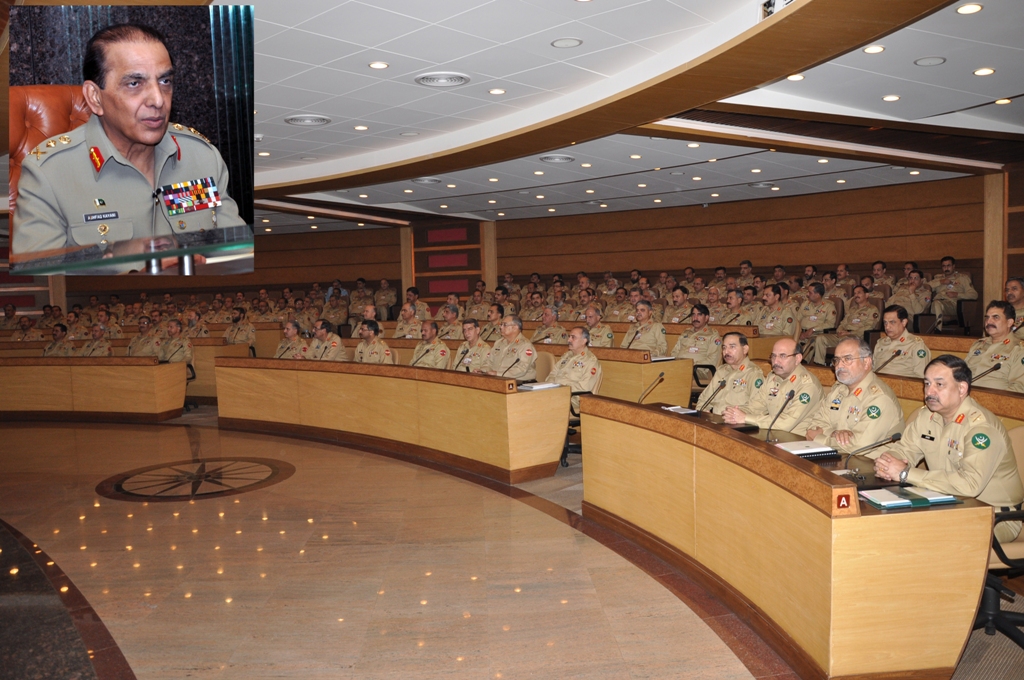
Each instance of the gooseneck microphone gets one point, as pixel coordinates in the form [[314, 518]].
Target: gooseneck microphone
[[984, 373], [885, 363], [419, 358], [643, 395], [789, 398], [458, 362], [635, 334], [510, 367], [721, 386], [893, 439]]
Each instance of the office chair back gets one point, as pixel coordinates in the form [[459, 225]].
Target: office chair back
[[1014, 550]]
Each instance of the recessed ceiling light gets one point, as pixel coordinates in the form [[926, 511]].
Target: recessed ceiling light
[[442, 79], [427, 180], [501, 214], [756, 170], [557, 158], [986, 71], [840, 181], [266, 229], [312, 226], [795, 77], [551, 210], [360, 224], [636, 156], [969, 8], [363, 196], [492, 179], [693, 145], [657, 200], [378, 64], [407, 191], [590, 191], [915, 172], [496, 90], [1003, 101], [712, 160], [566, 43], [492, 201], [538, 172], [930, 61], [451, 186], [443, 205], [776, 189], [891, 98], [307, 120], [604, 205], [585, 165], [410, 134], [874, 49], [540, 195], [310, 217], [697, 179], [263, 153], [360, 127], [266, 221], [714, 195], [642, 186], [823, 160]]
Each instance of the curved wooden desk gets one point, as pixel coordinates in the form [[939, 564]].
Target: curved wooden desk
[[838, 589], [481, 424], [120, 389]]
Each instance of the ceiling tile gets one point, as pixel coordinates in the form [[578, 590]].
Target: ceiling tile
[[556, 75], [432, 12], [437, 44], [291, 13], [363, 24], [609, 62], [505, 21], [288, 97], [329, 81], [391, 93], [306, 47], [643, 21], [498, 61], [399, 65]]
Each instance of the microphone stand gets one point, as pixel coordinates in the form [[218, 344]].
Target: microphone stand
[[458, 362], [509, 367], [721, 386], [893, 439], [984, 373], [650, 387], [768, 437], [885, 363]]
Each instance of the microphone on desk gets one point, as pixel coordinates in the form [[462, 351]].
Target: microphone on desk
[[688, 315], [789, 397], [661, 376], [721, 386], [893, 439], [417, 360], [726, 323], [509, 367], [885, 363], [984, 373], [635, 333], [458, 362]]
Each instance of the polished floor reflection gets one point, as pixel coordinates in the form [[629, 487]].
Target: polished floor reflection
[[356, 566]]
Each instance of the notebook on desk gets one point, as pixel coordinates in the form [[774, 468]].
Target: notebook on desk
[[809, 450]]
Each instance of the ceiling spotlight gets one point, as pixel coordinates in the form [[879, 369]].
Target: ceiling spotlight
[[501, 214], [442, 79], [266, 229], [360, 224], [492, 179], [378, 64], [693, 145], [657, 200], [443, 206], [310, 217], [266, 221], [538, 172], [492, 201], [496, 90], [874, 49], [776, 189], [360, 127], [551, 210], [559, 158], [712, 160], [363, 196], [1003, 101], [590, 191], [969, 8], [566, 43], [984, 71], [263, 153], [697, 179], [755, 170], [407, 191], [451, 186], [714, 195], [930, 61], [540, 195], [312, 226], [636, 156], [891, 98], [795, 77], [604, 205], [642, 186], [823, 160], [915, 172], [427, 180], [585, 165], [840, 181]]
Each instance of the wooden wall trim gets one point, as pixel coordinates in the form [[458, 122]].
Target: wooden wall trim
[[76, 361]]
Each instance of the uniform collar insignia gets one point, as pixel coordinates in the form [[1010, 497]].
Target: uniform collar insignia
[[959, 419]]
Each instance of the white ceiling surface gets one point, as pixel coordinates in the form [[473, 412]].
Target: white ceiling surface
[[948, 94], [313, 57], [667, 167]]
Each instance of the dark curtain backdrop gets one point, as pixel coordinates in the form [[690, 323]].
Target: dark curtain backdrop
[[212, 48]]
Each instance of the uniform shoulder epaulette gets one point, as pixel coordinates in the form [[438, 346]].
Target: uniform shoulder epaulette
[[50, 147], [875, 389], [975, 416], [179, 128]]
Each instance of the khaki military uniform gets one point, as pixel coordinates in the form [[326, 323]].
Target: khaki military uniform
[[384, 301], [910, 363], [621, 312], [651, 336], [856, 322], [744, 281], [477, 311], [504, 355], [701, 296], [847, 281], [198, 331], [90, 313], [430, 354], [423, 311], [59, 348], [307, 318], [336, 315], [330, 349], [8, 323], [80, 191], [491, 332], [870, 410], [31, 335], [915, 302], [550, 335], [532, 313], [144, 346], [971, 456], [718, 312], [451, 331], [566, 312], [462, 313], [291, 349], [46, 322], [740, 384], [703, 346], [601, 335], [579, 372], [408, 329], [738, 318], [768, 399], [984, 354], [754, 309], [374, 352], [942, 286], [243, 333], [361, 298], [472, 358], [79, 331], [777, 320], [95, 348], [174, 350], [817, 317], [113, 331]]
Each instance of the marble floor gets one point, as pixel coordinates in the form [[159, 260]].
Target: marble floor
[[355, 566]]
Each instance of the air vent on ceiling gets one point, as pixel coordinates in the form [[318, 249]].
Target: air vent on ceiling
[[427, 180], [557, 158], [442, 79], [307, 120], [761, 185]]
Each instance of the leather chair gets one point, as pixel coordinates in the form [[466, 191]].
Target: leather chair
[[546, 363], [38, 112], [574, 423]]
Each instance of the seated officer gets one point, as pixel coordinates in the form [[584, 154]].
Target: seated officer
[[549, 332], [452, 328], [736, 314], [240, 332], [369, 314], [533, 310], [600, 334], [787, 375], [491, 331], [145, 344], [861, 315], [408, 325], [327, 345], [948, 287], [513, 356], [774, 317], [914, 354], [742, 377], [679, 308], [371, 349], [964, 444], [412, 296], [26, 332], [61, 345], [111, 329], [292, 346], [98, 346], [1000, 347], [646, 333], [473, 355], [476, 308], [860, 409], [431, 352], [817, 314], [578, 368], [702, 343], [176, 347], [194, 327]]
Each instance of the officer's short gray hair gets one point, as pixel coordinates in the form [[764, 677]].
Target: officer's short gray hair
[[295, 325], [585, 332], [597, 310], [863, 348], [551, 309], [644, 303], [516, 320], [452, 308]]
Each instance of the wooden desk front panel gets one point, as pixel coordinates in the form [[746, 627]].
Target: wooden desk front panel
[[204, 351], [627, 381], [36, 388], [128, 389]]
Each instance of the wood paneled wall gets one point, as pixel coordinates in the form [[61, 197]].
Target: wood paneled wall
[[921, 222], [286, 259]]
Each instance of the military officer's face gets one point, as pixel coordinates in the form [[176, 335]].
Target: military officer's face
[[470, 332], [643, 283], [509, 329], [143, 327], [58, 334], [850, 367], [942, 393], [93, 300], [808, 272], [577, 343], [103, 317], [620, 295], [536, 299], [1014, 293], [427, 331], [678, 298], [592, 317], [450, 316], [477, 297], [841, 271], [408, 312], [97, 332], [634, 297], [299, 305], [193, 318], [744, 270], [136, 101], [264, 307], [72, 319], [319, 332], [157, 317], [997, 325], [698, 320], [643, 313], [907, 268], [784, 358], [25, 323], [369, 312], [813, 296], [236, 317], [877, 271], [713, 295], [365, 333], [217, 305], [770, 298], [779, 273], [8, 311], [384, 285], [698, 284], [860, 295], [733, 353], [893, 325], [548, 317], [289, 331], [585, 297], [173, 330], [734, 300], [492, 314], [947, 267], [409, 296]]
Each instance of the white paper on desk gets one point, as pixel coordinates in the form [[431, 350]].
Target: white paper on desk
[[668, 358], [804, 447], [680, 410], [932, 496], [538, 386]]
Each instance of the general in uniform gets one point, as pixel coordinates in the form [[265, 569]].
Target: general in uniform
[[768, 399], [580, 371], [515, 358], [328, 349], [741, 382], [870, 410], [376, 351], [430, 354], [62, 347], [174, 350], [472, 357], [914, 355]]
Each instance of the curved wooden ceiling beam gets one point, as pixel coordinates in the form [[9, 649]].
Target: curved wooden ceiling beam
[[806, 33]]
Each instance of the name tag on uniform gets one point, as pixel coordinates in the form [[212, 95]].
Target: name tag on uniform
[[190, 196], [96, 217], [929, 438]]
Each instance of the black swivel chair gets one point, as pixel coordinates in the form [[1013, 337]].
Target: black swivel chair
[[190, 376], [574, 422]]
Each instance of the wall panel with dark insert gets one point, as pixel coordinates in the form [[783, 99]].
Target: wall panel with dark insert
[[447, 258]]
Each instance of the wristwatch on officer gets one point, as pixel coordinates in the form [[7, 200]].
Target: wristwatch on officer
[[903, 474]]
